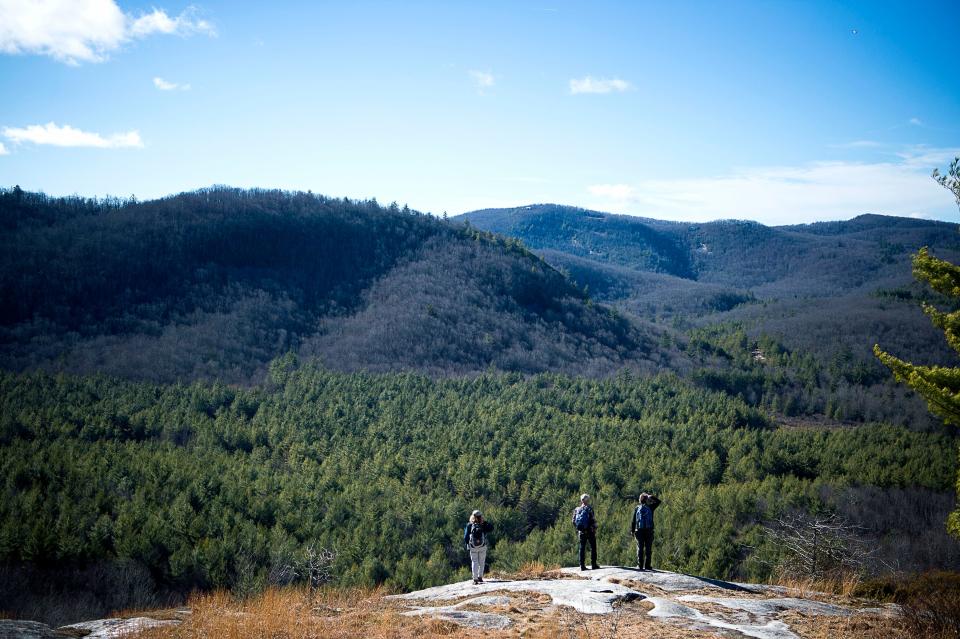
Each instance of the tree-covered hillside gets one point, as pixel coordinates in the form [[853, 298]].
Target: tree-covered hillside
[[213, 284], [825, 258], [824, 293], [169, 488]]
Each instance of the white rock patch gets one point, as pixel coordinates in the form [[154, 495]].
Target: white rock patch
[[767, 607], [669, 581], [581, 594], [668, 608], [110, 628]]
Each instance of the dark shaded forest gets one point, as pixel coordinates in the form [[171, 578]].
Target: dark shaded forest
[[215, 283]]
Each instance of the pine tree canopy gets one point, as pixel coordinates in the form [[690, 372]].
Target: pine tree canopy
[[939, 385]]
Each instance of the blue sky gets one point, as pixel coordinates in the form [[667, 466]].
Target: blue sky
[[780, 112]]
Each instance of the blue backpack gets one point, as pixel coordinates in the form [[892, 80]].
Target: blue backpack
[[581, 518], [644, 517]]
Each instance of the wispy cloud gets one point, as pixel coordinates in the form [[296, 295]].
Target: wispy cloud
[[163, 85], [915, 122], [75, 31], [3, 150], [53, 135], [792, 194], [590, 84], [157, 21], [482, 79]]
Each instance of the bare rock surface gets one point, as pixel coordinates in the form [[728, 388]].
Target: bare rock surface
[[97, 629], [583, 595], [686, 601], [471, 618], [662, 579], [110, 628], [772, 606], [15, 629]]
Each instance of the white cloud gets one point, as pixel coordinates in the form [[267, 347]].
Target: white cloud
[[75, 31], [483, 79], [590, 84], [3, 150], [792, 194], [914, 122], [163, 85], [159, 22], [53, 135]]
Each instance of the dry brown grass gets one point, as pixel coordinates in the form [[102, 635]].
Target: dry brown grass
[[534, 570], [844, 585], [859, 626], [293, 614]]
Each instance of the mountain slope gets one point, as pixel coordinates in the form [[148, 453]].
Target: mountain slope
[[821, 295], [217, 282], [816, 259]]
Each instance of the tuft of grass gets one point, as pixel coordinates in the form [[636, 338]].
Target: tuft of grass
[[535, 570], [842, 584]]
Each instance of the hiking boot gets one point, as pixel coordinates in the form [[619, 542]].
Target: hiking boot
[[595, 567], [480, 580], [583, 567], [476, 581]]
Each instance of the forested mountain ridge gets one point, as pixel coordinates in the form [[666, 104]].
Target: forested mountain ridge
[[815, 296], [215, 283], [734, 253]]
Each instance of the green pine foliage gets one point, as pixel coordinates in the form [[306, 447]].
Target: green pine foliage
[[209, 485], [938, 385]]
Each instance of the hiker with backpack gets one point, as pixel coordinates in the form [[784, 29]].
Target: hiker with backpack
[[475, 539], [586, 525], [641, 527]]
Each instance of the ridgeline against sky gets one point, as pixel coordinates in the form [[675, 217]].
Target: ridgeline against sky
[[781, 113]]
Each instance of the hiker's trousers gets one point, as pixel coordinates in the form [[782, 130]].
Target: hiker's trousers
[[478, 558], [644, 537]]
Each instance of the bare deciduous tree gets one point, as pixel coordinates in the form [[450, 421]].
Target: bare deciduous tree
[[312, 565], [818, 546]]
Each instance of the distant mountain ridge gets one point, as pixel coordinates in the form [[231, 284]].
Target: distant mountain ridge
[[732, 253]]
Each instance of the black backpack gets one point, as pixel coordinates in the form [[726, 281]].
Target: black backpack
[[476, 535]]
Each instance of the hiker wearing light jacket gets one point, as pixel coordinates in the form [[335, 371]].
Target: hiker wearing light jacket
[[586, 524], [641, 527], [475, 539]]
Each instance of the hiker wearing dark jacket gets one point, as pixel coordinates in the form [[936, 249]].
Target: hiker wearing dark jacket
[[586, 525], [475, 539], [641, 527]]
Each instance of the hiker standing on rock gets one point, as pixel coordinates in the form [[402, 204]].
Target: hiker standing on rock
[[586, 525], [641, 527], [475, 538]]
